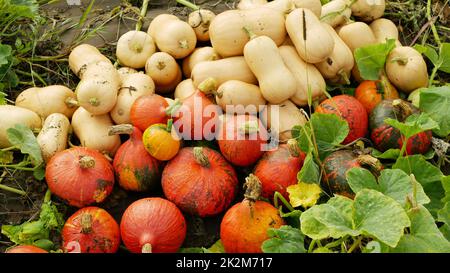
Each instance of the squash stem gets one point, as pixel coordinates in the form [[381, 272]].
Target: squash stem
[[146, 248], [121, 129], [371, 161], [200, 157], [402, 108], [249, 127], [251, 34], [294, 150], [208, 86], [173, 108], [253, 188], [86, 223], [142, 15], [169, 125], [86, 162], [11, 189], [47, 196], [188, 4], [71, 102]]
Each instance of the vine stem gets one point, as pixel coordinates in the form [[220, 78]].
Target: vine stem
[[433, 74], [142, 15], [311, 246], [354, 245], [278, 196], [188, 4], [10, 189], [433, 27]]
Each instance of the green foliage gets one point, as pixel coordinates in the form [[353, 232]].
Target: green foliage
[[414, 124], [285, 239], [310, 172], [440, 61], [23, 138], [371, 59], [435, 101]]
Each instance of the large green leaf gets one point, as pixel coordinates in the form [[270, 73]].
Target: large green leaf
[[436, 194], [372, 58], [329, 220], [424, 171], [436, 102], [310, 172], [414, 124], [377, 215], [330, 131], [424, 237], [23, 138], [360, 178], [285, 239], [444, 214]]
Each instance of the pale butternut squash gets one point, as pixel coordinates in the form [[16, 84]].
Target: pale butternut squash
[[54, 135], [384, 29], [239, 97], [199, 55], [11, 115]]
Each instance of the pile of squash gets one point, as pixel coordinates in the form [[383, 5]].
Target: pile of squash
[[276, 55]]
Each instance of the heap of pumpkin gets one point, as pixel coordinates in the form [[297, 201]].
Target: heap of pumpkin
[[275, 54]]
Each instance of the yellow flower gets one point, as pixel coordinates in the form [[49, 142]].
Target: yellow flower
[[304, 194]]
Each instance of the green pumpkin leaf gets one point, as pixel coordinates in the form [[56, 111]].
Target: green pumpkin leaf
[[329, 220], [444, 214], [378, 215], [285, 239], [445, 181], [435, 102], [23, 138], [2, 97], [330, 131], [414, 124], [445, 230], [441, 61], [428, 51], [372, 59], [436, 193], [310, 172], [424, 171], [217, 247], [424, 236], [444, 56], [360, 178]]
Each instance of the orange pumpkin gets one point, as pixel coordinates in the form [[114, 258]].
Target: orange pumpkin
[[160, 142], [370, 93]]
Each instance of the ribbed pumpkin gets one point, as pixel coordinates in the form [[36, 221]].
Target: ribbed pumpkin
[[135, 169], [241, 139], [200, 181], [278, 169], [152, 225], [244, 227], [161, 142], [335, 167], [91, 230], [148, 110], [81, 176], [351, 110], [386, 137]]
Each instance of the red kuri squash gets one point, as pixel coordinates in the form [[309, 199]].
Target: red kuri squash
[[153, 225], [278, 169], [81, 176], [241, 139], [26, 249], [135, 169], [200, 181], [91, 230], [148, 110], [244, 226]]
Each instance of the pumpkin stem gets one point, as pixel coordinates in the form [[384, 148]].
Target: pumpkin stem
[[173, 107], [344, 76], [372, 162], [121, 129], [71, 102], [86, 162], [94, 102], [403, 109], [200, 157], [294, 150], [86, 223], [161, 65], [146, 248], [208, 86], [251, 35], [253, 188], [400, 60], [169, 125], [183, 44]]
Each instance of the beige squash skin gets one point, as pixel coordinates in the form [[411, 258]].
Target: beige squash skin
[[133, 87], [158, 22], [237, 93], [357, 34], [283, 6], [384, 29], [125, 71], [228, 37], [92, 131], [48, 100], [368, 10], [306, 76], [162, 68], [97, 95], [184, 90], [276, 81], [101, 70], [406, 69], [134, 48], [11, 115], [288, 116], [313, 5], [200, 20], [199, 55], [336, 12], [83, 55], [233, 68], [250, 4], [339, 64], [176, 37], [53, 136], [170, 87], [318, 44]]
